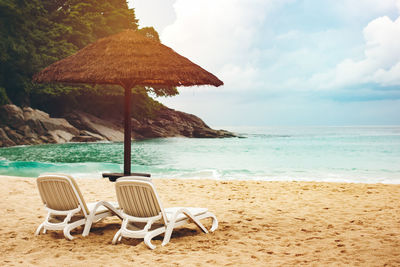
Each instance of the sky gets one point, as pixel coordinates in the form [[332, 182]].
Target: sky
[[285, 62]]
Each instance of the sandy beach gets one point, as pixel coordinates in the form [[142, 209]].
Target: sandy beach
[[260, 224]]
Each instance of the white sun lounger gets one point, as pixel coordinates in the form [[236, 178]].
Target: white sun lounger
[[66, 207], [144, 216]]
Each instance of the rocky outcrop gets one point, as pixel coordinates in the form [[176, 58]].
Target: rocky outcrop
[[95, 127], [27, 126], [175, 123]]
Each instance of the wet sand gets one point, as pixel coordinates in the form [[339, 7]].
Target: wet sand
[[260, 224]]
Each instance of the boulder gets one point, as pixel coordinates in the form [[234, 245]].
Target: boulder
[[29, 126], [11, 115], [105, 129], [13, 135], [60, 136], [84, 138], [41, 121], [5, 140]]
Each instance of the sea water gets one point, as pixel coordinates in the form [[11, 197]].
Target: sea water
[[337, 154]]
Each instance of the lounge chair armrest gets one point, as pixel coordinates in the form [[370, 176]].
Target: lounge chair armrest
[[68, 215], [92, 215], [108, 205], [171, 224]]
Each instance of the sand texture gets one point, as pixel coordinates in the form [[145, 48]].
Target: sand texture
[[260, 224]]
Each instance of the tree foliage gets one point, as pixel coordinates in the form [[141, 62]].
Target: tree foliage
[[3, 97], [34, 34]]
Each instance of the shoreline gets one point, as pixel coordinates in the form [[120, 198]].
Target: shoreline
[[274, 223], [301, 180]]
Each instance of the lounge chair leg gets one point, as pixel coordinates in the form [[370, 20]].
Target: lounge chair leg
[[194, 219], [148, 243], [67, 233], [150, 235], [199, 224], [72, 226], [214, 225], [171, 224], [117, 237], [39, 229], [88, 225], [168, 233]]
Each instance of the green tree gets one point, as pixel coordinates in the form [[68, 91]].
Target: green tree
[[34, 34], [29, 41], [3, 97]]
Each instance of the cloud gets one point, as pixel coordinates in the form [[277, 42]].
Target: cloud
[[219, 35], [362, 10], [155, 13], [380, 64], [234, 40], [290, 62]]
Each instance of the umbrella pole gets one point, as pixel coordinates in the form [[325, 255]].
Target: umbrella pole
[[127, 131]]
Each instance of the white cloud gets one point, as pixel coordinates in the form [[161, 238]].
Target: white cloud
[[258, 50], [382, 37], [381, 62], [222, 36], [219, 35], [389, 77], [154, 13], [363, 9]]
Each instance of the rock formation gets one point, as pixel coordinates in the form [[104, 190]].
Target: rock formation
[[27, 126]]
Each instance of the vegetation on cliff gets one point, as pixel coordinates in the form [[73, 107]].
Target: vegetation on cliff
[[34, 34]]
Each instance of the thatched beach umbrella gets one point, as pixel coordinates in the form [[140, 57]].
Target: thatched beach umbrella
[[127, 59]]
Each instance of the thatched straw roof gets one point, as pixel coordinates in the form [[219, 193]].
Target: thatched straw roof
[[127, 58]]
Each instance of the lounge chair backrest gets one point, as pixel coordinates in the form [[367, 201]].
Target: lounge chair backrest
[[138, 198], [60, 192], [140, 178]]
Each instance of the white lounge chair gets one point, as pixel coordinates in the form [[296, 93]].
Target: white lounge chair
[[66, 207], [144, 216]]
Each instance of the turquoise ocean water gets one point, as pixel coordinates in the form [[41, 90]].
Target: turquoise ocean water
[[342, 154]]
